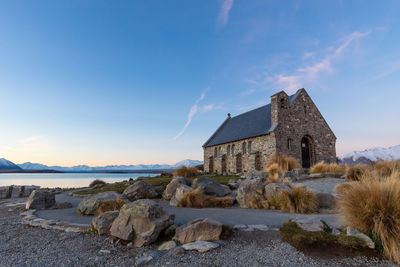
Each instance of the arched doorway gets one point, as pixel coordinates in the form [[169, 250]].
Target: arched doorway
[[211, 164], [307, 151], [239, 163], [223, 164]]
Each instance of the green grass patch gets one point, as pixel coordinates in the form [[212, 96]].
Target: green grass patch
[[156, 181]]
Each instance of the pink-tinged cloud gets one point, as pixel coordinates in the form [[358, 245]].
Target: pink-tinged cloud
[[223, 16]]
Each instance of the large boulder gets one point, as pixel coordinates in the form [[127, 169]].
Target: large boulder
[[103, 222], [141, 222], [249, 189], [180, 191], [326, 201], [90, 204], [274, 188], [140, 190], [169, 191], [211, 187], [199, 229], [256, 174], [40, 200]]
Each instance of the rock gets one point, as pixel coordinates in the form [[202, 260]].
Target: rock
[[105, 251], [143, 260], [200, 246], [170, 190], [102, 223], [326, 201], [177, 251], [290, 175], [234, 184], [261, 227], [90, 204], [354, 232], [316, 175], [9, 191], [141, 221], [249, 189], [40, 200], [239, 226], [273, 188], [159, 189], [167, 245], [140, 190], [199, 229], [335, 231], [233, 195], [211, 187], [62, 205], [180, 191], [256, 174], [21, 191]]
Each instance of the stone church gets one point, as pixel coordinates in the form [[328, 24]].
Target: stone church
[[289, 125]]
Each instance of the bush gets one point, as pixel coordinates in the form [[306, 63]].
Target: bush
[[386, 168], [109, 205], [355, 172], [97, 182], [298, 200], [197, 199], [285, 163], [166, 174], [322, 167], [274, 173], [372, 206], [186, 172]]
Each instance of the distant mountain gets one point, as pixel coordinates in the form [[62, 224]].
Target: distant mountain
[[371, 155], [8, 165], [85, 168]]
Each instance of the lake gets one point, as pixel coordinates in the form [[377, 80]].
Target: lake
[[65, 180]]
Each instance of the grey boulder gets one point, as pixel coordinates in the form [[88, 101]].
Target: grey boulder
[[249, 189], [170, 190], [141, 222], [180, 191], [274, 188], [199, 229], [211, 187], [140, 190], [40, 200], [102, 223], [200, 246], [90, 204]]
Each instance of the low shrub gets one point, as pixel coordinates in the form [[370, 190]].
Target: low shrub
[[372, 206], [355, 172], [386, 168], [109, 205], [166, 174], [258, 202], [274, 173], [298, 200], [322, 167], [186, 172], [97, 182], [342, 188], [285, 163], [197, 199]]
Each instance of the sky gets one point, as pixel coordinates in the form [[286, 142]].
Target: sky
[[140, 82]]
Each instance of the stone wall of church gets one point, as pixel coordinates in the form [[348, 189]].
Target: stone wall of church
[[249, 152], [298, 120]]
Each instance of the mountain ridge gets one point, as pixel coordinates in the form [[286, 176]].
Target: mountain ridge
[[371, 155]]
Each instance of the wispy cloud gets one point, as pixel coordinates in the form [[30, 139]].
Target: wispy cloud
[[310, 72], [193, 110], [393, 67], [223, 16]]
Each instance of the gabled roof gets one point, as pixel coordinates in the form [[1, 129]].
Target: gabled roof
[[253, 123]]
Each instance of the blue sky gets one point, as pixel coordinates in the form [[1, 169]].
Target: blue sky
[[128, 82]]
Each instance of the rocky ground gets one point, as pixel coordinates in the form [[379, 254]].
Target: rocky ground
[[22, 245]]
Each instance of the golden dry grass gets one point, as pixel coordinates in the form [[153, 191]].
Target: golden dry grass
[[386, 168], [109, 205], [355, 172], [298, 200], [197, 199], [372, 205], [342, 188], [285, 163], [97, 182], [186, 172], [322, 167], [274, 173]]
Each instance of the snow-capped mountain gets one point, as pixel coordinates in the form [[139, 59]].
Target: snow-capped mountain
[[85, 168], [8, 165], [371, 155]]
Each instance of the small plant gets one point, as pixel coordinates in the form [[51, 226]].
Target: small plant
[[274, 173], [197, 199], [285, 163], [355, 172], [110, 205], [97, 182], [322, 167], [186, 172], [298, 200]]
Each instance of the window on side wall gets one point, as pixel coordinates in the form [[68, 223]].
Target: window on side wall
[[249, 147], [215, 152], [244, 148], [228, 150], [289, 144]]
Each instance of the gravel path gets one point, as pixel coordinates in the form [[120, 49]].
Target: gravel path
[[228, 216], [21, 245], [323, 185]]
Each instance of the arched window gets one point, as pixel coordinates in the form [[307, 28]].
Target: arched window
[[228, 150], [305, 109], [249, 147], [215, 152], [289, 144], [219, 151], [283, 103], [244, 148], [233, 150]]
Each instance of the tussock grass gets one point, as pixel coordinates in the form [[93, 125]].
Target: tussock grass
[[197, 199], [341, 189], [298, 200], [386, 168], [372, 206], [274, 173], [355, 172], [322, 167], [97, 182], [285, 163], [109, 205], [186, 172]]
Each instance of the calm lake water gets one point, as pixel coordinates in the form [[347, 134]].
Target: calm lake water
[[64, 180]]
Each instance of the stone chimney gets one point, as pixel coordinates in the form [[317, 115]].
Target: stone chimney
[[279, 101]]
